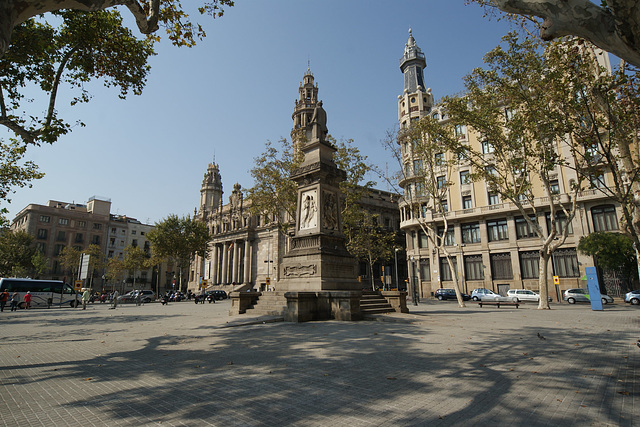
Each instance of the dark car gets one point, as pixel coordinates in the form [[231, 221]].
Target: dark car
[[443, 294], [219, 295]]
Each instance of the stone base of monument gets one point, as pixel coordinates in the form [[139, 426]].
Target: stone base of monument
[[323, 305], [397, 300]]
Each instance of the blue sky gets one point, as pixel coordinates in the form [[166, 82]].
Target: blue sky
[[235, 90]]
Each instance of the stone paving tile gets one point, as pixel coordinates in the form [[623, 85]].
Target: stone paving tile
[[181, 365]]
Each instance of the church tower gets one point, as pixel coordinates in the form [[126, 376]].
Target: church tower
[[210, 191], [304, 107], [415, 101]]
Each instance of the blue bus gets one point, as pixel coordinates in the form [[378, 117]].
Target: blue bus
[[44, 293]]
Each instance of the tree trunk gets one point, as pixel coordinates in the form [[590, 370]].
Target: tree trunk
[[543, 304]]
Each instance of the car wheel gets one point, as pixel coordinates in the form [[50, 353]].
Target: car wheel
[[635, 301], [439, 297], [604, 301], [475, 298], [571, 300], [515, 299]]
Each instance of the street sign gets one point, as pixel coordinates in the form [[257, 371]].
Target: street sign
[[77, 285], [556, 280]]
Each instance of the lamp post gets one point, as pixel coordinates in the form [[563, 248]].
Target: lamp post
[[396, 261]]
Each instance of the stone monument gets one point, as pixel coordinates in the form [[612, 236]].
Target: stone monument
[[319, 276]]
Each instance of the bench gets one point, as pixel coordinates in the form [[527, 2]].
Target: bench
[[499, 303]]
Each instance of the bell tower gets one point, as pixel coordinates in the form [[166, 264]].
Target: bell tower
[[415, 101], [210, 191], [303, 108]]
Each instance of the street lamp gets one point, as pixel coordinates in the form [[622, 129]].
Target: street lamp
[[396, 260]]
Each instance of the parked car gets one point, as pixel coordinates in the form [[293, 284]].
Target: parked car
[[145, 296], [219, 294], [575, 295], [484, 294], [524, 295], [632, 297], [444, 294]]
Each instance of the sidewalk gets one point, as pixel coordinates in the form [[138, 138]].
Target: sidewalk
[[192, 365]]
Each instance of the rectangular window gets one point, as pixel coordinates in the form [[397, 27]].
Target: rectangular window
[[450, 238], [565, 263], [445, 205], [523, 229], [133, 232], [113, 230], [466, 202], [529, 264], [420, 189], [445, 272], [487, 148], [441, 181], [470, 233], [604, 218], [473, 267], [42, 247], [134, 243], [465, 178], [61, 236], [79, 238], [95, 240], [97, 226], [45, 218], [497, 230], [439, 159], [417, 167], [57, 249], [597, 180], [561, 223], [425, 273], [493, 198], [81, 224], [424, 241], [554, 186], [501, 266], [42, 233], [461, 131], [63, 221]]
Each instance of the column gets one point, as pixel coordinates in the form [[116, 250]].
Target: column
[[247, 262], [225, 256], [236, 261], [214, 265]]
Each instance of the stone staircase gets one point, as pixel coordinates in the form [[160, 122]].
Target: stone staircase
[[269, 304], [374, 303]]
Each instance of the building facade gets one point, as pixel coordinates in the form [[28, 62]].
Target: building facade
[[58, 225], [490, 242]]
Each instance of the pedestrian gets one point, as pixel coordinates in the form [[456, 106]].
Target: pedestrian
[[114, 299], [27, 300], [15, 299], [86, 295], [4, 297]]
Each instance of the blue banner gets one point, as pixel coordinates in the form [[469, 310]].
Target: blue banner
[[594, 289]]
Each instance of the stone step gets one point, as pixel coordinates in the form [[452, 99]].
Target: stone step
[[374, 303]]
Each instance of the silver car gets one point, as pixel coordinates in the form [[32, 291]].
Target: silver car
[[481, 294], [573, 296], [524, 295], [632, 297]]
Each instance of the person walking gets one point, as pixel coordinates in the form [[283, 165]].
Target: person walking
[[86, 295], [27, 300], [114, 299], [15, 299], [4, 297]]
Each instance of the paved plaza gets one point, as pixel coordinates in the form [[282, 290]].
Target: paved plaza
[[193, 365]]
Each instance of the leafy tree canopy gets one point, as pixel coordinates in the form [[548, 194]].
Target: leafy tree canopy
[[16, 253], [613, 251]]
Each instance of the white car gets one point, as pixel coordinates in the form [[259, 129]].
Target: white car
[[482, 294], [632, 297], [582, 295], [524, 295]]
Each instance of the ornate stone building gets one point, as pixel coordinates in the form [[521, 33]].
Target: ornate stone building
[[491, 244]]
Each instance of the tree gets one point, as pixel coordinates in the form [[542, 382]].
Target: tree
[[16, 253], [179, 239], [274, 194], [149, 15], [614, 25], [422, 153], [613, 252], [70, 259], [135, 259], [14, 172]]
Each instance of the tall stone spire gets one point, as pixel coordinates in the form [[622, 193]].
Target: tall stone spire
[[412, 65], [304, 106], [210, 191]]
